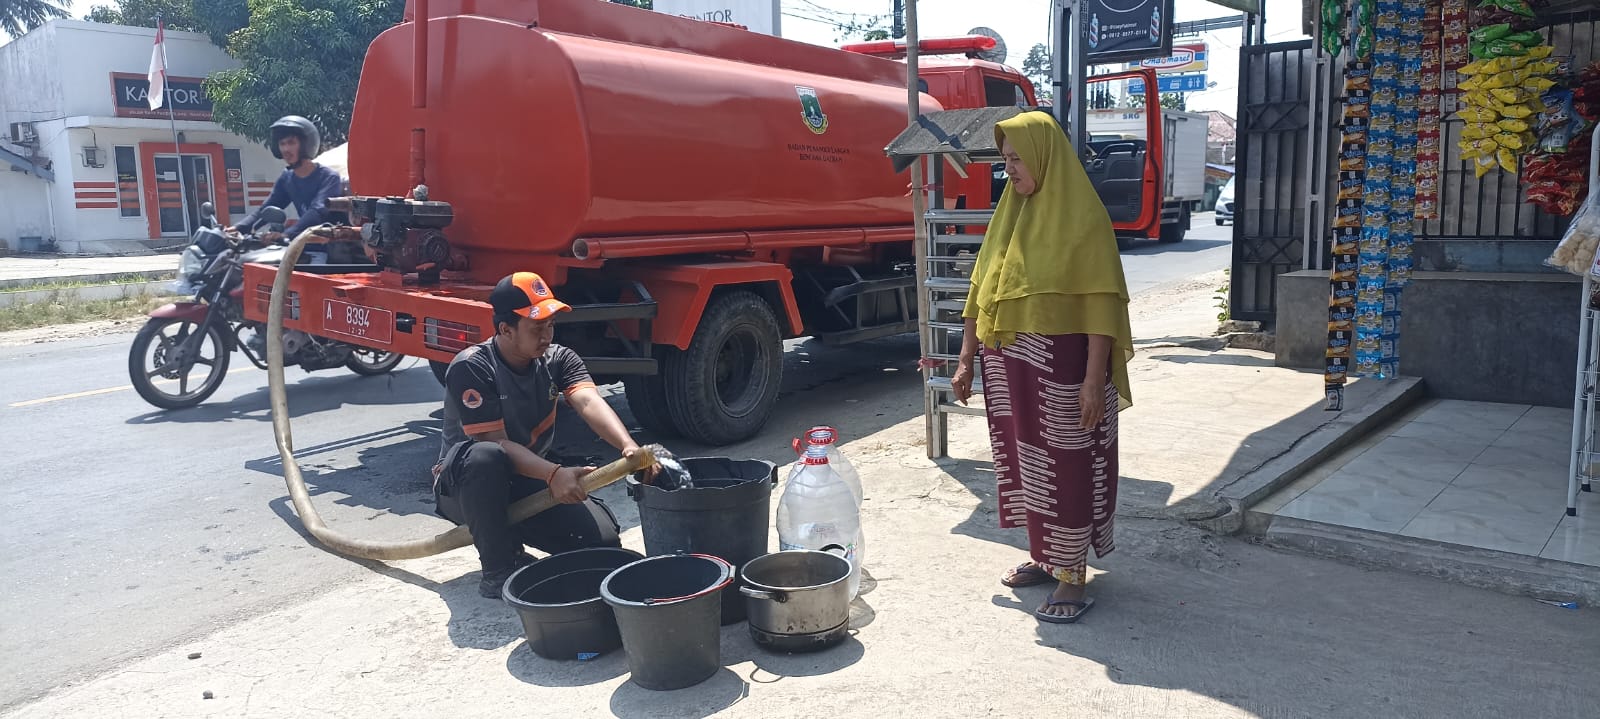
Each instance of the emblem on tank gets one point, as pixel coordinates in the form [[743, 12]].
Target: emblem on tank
[[811, 110]]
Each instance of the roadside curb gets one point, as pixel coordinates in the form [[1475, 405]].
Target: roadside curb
[[1311, 450], [102, 278], [1516, 574]]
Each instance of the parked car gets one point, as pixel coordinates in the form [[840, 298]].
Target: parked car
[[1225, 204]]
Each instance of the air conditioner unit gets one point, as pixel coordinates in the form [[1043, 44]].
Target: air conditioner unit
[[92, 157], [22, 133]]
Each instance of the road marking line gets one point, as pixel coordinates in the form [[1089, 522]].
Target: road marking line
[[93, 392]]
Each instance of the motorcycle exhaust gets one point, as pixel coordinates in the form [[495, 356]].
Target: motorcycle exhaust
[[296, 484]]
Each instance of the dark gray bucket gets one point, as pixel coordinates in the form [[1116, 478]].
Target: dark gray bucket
[[558, 600], [668, 611], [727, 514]]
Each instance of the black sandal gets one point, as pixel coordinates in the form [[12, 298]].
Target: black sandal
[[1034, 576], [1083, 608]]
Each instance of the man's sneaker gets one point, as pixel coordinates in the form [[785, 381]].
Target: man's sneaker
[[489, 587]]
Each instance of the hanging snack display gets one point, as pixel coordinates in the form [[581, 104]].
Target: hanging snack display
[[1333, 26], [1403, 177], [1429, 126], [1457, 20], [1347, 225], [1502, 90], [1556, 173]]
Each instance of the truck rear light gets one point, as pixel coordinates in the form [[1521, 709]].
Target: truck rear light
[[290, 303], [449, 336]]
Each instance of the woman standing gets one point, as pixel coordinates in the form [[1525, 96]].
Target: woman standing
[[1049, 307]]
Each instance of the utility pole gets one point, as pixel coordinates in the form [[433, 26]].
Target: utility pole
[[899, 29]]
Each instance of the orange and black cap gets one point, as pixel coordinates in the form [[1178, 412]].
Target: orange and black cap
[[526, 294]]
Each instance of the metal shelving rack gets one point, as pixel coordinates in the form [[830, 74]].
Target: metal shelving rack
[[951, 251], [947, 248], [1581, 470]]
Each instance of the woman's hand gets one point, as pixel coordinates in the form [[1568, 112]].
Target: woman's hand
[[961, 381], [1091, 404]]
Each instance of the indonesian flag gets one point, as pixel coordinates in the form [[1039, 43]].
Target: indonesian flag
[[158, 69]]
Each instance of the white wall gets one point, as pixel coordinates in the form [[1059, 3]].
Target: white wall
[[31, 85], [23, 212], [89, 52], [103, 224]]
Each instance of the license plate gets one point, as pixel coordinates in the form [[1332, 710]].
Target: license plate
[[358, 321]]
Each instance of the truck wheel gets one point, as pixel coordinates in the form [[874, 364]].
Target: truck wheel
[[1175, 231], [647, 398], [723, 388]]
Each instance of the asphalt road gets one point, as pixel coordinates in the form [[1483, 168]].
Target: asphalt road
[[132, 529]]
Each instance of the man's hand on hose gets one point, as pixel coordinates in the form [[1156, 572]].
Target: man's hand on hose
[[564, 485], [649, 472]]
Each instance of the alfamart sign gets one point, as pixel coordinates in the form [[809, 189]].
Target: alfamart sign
[[757, 15]]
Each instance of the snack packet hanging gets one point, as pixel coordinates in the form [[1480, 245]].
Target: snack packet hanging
[[1512, 125], [1519, 7], [1477, 113], [1490, 33], [1507, 159], [1575, 253], [1483, 165]]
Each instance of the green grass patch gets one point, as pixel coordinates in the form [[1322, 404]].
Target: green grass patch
[[69, 283], [70, 310]]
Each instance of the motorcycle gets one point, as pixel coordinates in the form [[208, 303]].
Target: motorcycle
[[173, 343]]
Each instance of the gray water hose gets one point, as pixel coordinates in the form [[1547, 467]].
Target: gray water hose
[[364, 548]]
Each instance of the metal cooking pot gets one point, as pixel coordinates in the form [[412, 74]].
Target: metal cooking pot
[[798, 600]]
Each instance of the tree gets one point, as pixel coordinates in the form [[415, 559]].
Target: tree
[[298, 57], [215, 18], [1038, 67], [17, 17], [868, 28]]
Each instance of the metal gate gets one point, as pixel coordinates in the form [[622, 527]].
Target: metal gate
[[1271, 179]]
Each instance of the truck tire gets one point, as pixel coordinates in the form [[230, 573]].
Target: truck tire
[[723, 388], [1175, 231], [647, 398]]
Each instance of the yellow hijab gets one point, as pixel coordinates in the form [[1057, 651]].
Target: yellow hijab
[[1049, 262]]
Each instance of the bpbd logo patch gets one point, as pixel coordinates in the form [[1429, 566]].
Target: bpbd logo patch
[[811, 110]]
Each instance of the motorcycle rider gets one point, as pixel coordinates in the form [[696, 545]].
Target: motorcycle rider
[[499, 421], [306, 184]]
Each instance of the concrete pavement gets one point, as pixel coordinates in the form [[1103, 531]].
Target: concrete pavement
[[1188, 624]]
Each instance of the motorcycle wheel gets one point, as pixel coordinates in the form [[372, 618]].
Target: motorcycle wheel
[[149, 354], [371, 363]]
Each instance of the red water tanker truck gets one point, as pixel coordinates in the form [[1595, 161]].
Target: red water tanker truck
[[698, 193]]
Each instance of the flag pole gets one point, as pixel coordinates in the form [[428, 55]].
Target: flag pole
[[172, 119]]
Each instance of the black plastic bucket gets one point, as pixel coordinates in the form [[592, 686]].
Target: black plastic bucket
[[558, 600], [668, 612], [726, 514]]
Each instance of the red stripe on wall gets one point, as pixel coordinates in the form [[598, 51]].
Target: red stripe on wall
[[97, 205], [82, 185], [94, 195], [267, 185]]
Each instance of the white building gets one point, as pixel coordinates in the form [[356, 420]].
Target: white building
[[87, 166]]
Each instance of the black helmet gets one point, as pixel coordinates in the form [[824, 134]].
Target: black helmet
[[310, 139]]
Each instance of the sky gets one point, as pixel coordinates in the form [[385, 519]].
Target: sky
[[1022, 24]]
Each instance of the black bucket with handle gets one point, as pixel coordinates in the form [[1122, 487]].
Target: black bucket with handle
[[558, 600], [727, 514], [668, 611]]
